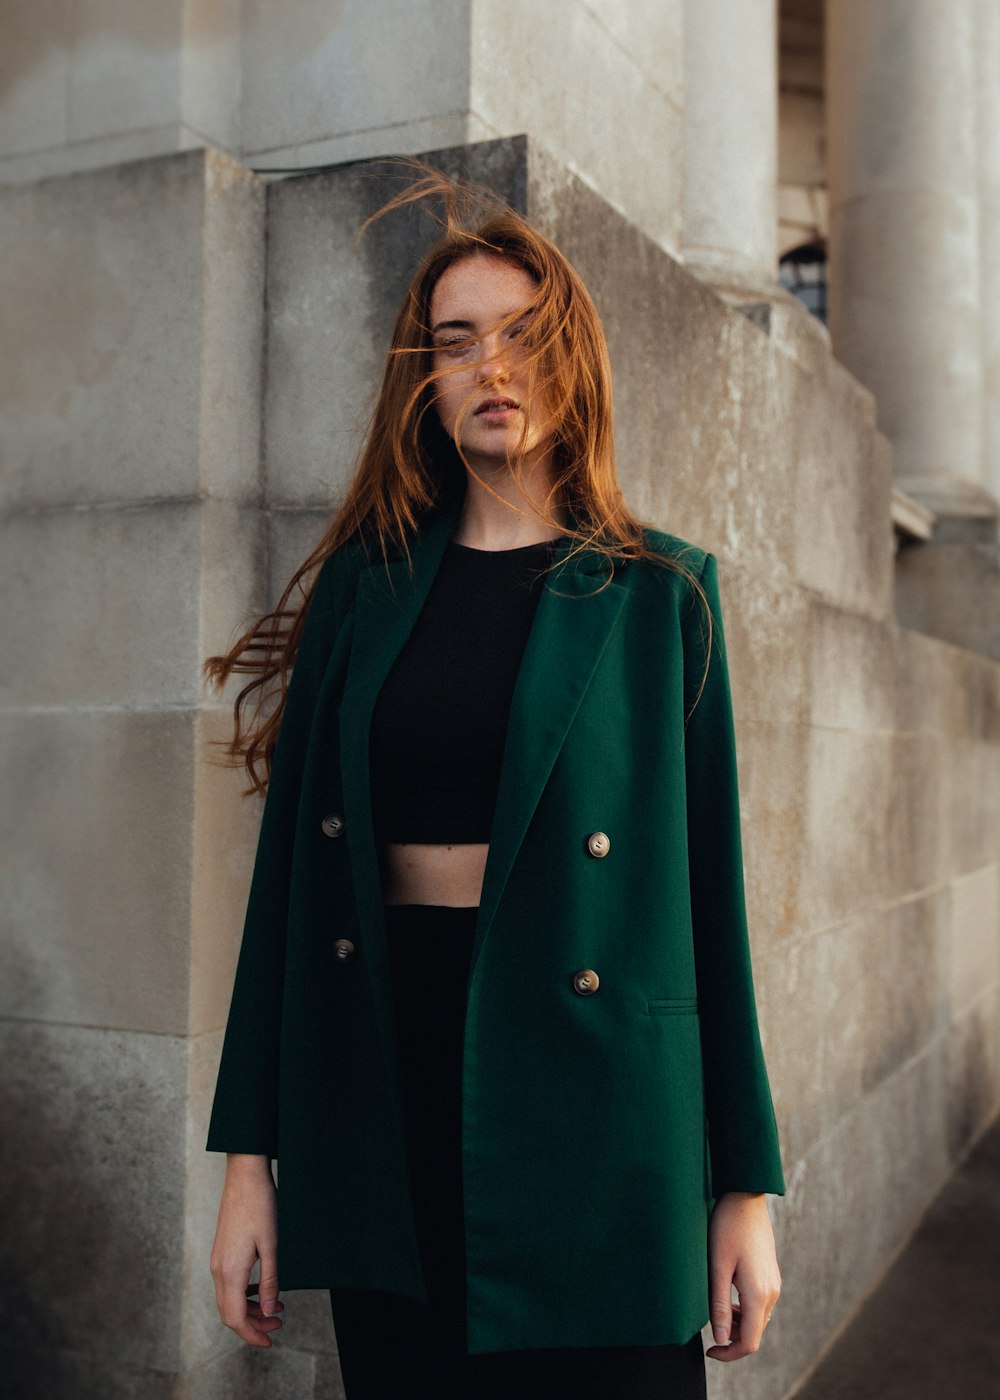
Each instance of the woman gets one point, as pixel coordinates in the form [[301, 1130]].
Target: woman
[[493, 1013]]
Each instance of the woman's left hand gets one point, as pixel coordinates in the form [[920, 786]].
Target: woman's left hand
[[741, 1252]]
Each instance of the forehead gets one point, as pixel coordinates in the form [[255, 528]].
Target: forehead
[[479, 286]]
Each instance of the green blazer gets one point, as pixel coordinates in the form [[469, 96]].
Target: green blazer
[[599, 1125]]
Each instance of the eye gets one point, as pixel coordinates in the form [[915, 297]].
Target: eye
[[454, 345]]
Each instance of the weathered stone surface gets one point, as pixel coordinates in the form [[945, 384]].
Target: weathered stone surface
[[96, 858], [974, 1070], [773, 772], [843, 494], [974, 948], [130, 332], [92, 1126], [845, 1007], [835, 1231]]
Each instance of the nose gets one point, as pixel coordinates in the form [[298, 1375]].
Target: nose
[[494, 362]]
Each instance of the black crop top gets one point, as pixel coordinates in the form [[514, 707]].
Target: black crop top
[[440, 720]]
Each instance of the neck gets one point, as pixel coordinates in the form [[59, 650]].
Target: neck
[[518, 517]]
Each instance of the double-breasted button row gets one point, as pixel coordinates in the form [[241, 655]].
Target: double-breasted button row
[[333, 825], [598, 844]]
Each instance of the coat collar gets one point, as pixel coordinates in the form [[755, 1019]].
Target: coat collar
[[568, 634]]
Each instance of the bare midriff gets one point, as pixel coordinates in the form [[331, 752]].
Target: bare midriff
[[419, 873]]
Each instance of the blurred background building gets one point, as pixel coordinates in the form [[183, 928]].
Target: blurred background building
[[789, 215]]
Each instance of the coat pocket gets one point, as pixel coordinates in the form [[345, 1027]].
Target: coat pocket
[[672, 1006]]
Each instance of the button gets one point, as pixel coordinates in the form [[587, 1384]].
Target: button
[[343, 950], [333, 825], [586, 982], [598, 844]]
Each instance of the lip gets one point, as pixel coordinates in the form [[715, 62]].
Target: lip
[[496, 408]]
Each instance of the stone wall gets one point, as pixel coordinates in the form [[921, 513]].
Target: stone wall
[[173, 441]]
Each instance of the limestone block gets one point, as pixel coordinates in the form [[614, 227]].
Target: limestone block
[[916, 840], [226, 826], [92, 1196], [976, 683], [970, 817], [843, 498], [773, 765], [929, 693], [116, 621], [96, 854], [315, 71], [845, 854], [974, 1071], [952, 591], [974, 944], [850, 1203], [851, 675], [768, 627], [130, 316], [588, 100], [846, 1007]]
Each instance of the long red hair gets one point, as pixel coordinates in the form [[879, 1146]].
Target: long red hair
[[408, 465]]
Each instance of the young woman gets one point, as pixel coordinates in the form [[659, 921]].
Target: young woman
[[493, 1014]]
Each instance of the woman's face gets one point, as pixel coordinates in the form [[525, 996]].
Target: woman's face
[[487, 395]]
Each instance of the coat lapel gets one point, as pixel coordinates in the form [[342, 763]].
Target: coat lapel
[[568, 634]]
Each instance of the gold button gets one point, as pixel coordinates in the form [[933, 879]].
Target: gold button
[[598, 844], [333, 825], [586, 982], [343, 950]]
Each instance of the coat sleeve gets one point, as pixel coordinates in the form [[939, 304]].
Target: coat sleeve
[[742, 1135], [245, 1109]]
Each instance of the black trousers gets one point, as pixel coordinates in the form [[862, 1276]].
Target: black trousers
[[393, 1348]]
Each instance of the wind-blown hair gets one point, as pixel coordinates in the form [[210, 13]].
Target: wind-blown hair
[[408, 465]]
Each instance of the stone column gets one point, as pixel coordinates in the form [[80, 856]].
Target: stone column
[[904, 238], [987, 50], [730, 144]]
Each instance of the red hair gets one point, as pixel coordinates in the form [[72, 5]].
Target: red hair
[[408, 465]]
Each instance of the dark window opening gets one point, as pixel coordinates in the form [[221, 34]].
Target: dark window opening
[[803, 271]]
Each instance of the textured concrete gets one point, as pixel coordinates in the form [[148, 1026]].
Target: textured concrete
[[926, 1331]]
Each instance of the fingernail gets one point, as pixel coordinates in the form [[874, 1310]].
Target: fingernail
[[267, 1309], [721, 1336]]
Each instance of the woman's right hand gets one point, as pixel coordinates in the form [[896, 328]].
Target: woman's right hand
[[247, 1231]]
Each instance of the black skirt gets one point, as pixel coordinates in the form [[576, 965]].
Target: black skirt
[[394, 1348]]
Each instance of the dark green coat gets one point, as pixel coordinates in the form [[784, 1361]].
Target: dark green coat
[[598, 1127]]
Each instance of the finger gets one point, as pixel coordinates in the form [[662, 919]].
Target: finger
[[268, 1285], [720, 1309], [232, 1302], [747, 1333]]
